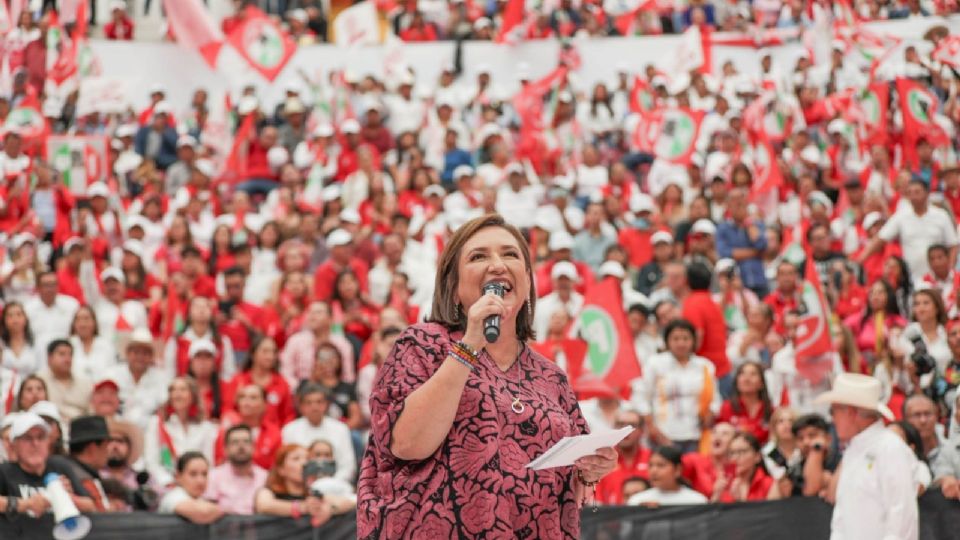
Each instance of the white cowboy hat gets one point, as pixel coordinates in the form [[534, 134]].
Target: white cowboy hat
[[861, 391]]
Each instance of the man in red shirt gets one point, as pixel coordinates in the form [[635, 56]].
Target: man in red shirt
[[419, 30], [347, 162], [340, 243], [561, 249], [632, 461], [786, 296], [700, 309], [240, 320]]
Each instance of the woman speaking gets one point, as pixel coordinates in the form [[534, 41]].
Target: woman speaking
[[455, 420]]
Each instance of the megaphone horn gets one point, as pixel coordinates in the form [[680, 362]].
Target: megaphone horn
[[70, 523]]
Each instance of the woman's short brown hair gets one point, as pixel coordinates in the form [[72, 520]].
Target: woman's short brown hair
[[938, 304], [446, 310]]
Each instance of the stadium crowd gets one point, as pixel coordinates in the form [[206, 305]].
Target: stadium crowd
[[219, 328]]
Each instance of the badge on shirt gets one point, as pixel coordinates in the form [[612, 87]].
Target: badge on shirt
[[273, 398]]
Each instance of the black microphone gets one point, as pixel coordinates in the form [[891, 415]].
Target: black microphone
[[491, 325]]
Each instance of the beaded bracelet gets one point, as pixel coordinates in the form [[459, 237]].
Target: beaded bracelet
[[586, 484], [468, 350], [453, 355]]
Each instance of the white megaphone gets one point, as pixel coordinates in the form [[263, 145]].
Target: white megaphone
[[70, 523]]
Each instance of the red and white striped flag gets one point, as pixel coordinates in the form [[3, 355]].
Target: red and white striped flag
[[948, 51]]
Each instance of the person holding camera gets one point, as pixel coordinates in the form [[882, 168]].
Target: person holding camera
[[314, 424], [818, 460], [286, 492]]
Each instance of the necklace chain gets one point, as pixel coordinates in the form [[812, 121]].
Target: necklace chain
[[516, 405]]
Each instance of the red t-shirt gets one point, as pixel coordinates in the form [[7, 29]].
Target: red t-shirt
[[699, 470], [759, 488], [700, 309], [610, 488], [279, 397], [69, 284], [853, 302], [268, 441], [754, 424], [326, 276], [637, 244], [780, 305]]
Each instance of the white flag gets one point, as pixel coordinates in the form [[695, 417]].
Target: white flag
[[689, 54], [357, 25]]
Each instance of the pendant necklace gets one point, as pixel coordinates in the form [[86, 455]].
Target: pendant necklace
[[517, 406]]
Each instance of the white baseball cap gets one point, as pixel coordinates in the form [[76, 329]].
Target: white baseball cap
[[724, 265], [350, 126], [339, 237], [201, 345], [71, 243], [133, 246], [565, 269], [560, 240], [186, 140], [462, 170], [25, 421], [871, 219], [46, 409], [661, 236], [435, 190], [642, 203], [98, 189], [112, 272], [140, 336], [704, 226], [612, 268], [323, 130]]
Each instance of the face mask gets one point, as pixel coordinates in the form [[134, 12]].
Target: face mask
[[641, 223]]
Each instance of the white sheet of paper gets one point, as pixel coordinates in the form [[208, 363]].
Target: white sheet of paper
[[569, 449]]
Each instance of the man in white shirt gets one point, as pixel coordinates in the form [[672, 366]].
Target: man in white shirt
[[517, 199], [876, 493], [315, 425], [143, 386], [918, 226], [564, 276], [115, 315], [50, 313]]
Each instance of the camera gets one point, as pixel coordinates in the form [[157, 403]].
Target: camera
[[920, 357], [818, 446]]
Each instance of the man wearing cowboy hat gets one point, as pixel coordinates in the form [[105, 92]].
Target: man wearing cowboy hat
[[876, 493]]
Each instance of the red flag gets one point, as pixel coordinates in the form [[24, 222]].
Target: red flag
[[813, 339], [235, 165], [194, 28], [642, 98], [603, 325], [766, 171], [625, 23], [948, 51], [528, 104], [62, 63], [868, 111], [512, 17], [262, 43], [669, 134], [918, 106]]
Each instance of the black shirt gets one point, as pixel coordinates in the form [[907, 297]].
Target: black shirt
[[17, 482], [795, 473]]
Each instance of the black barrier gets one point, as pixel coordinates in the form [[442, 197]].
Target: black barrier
[[797, 518]]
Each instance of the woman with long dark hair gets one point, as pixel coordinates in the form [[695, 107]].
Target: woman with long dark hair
[[897, 274], [749, 407], [19, 354], [747, 479], [667, 486], [214, 392], [871, 328], [178, 426], [93, 354], [140, 284], [351, 310]]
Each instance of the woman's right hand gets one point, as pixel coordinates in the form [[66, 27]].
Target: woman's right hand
[[485, 306], [318, 509]]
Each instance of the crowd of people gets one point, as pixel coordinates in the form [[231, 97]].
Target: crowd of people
[[311, 21], [205, 342]]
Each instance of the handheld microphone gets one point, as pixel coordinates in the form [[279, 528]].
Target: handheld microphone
[[491, 325]]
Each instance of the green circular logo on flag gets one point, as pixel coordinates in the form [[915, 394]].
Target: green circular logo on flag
[[264, 45], [600, 333], [919, 104], [676, 136], [25, 120]]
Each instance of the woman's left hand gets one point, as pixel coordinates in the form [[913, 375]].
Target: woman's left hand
[[595, 467]]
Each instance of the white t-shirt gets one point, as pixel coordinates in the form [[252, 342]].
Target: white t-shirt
[[169, 502], [918, 233], [684, 495]]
